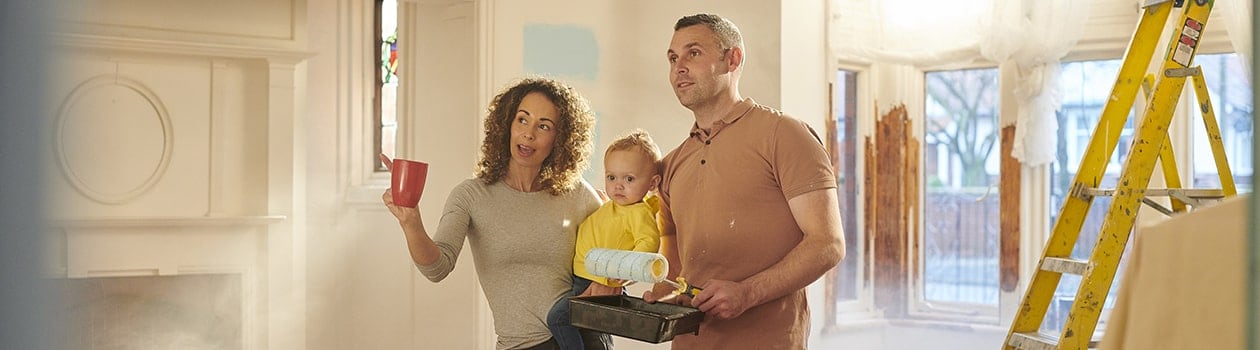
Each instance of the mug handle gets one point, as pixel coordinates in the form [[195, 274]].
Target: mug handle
[[389, 164]]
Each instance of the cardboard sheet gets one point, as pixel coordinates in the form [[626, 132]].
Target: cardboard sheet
[[1185, 284]]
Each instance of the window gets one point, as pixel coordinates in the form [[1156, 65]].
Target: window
[[847, 282], [1085, 86], [960, 248], [1231, 100], [386, 68]]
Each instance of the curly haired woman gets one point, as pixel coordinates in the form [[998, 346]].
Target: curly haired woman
[[520, 214]]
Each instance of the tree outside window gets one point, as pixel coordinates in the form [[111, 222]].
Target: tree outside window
[[961, 212]]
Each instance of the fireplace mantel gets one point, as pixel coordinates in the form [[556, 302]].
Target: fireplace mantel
[[180, 158], [167, 221]]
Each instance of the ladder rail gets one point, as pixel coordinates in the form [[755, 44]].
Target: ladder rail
[[1171, 178], [1135, 175], [1214, 134], [1151, 144], [1067, 226], [1166, 158]]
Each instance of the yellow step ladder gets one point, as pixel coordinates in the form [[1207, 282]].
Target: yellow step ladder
[[1149, 145]]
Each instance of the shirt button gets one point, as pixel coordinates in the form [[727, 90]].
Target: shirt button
[[702, 161]]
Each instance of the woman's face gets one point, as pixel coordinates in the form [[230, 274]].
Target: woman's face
[[533, 130]]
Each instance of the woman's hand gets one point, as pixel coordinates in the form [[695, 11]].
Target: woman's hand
[[419, 244], [406, 216]]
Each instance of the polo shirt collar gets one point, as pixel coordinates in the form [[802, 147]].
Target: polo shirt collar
[[741, 108]]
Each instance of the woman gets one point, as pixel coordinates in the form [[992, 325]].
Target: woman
[[520, 214]]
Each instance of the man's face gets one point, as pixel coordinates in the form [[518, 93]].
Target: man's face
[[698, 68]]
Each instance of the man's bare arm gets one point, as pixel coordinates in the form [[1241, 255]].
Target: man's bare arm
[[818, 215], [669, 248]]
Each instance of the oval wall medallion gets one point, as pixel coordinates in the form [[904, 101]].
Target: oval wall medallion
[[113, 139]]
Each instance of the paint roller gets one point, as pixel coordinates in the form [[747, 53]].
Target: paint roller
[[634, 266]]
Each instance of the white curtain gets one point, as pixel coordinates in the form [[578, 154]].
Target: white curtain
[[1004, 30], [1054, 27], [908, 32], [1236, 15]]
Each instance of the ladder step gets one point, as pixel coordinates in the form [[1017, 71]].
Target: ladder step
[[1042, 341], [1205, 193], [1065, 265], [1033, 341]]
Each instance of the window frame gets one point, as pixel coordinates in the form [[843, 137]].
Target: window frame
[[861, 308], [1108, 42], [361, 184], [1037, 186], [918, 306], [378, 84], [1185, 120]]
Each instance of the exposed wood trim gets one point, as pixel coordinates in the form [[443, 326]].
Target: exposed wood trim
[[890, 223], [910, 205], [868, 202], [1009, 192]]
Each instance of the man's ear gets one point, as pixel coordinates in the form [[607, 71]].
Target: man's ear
[[735, 58]]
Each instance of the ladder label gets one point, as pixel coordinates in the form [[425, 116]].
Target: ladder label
[[1189, 40]]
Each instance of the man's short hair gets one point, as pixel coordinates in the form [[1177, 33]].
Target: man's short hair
[[727, 33]]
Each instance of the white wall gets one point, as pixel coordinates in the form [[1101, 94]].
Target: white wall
[[361, 290], [631, 87], [365, 293], [354, 243], [178, 131], [359, 244]]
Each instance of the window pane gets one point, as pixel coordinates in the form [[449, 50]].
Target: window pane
[[960, 239], [1231, 100], [1085, 86], [845, 153], [386, 52]]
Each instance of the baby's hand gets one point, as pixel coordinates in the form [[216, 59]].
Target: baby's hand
[[599, 289]]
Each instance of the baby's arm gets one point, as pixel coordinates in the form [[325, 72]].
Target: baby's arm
[[647, 235]]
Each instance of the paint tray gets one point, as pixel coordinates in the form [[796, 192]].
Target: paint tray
[[634, 318]]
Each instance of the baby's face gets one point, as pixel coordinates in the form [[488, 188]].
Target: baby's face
[[628, 176]]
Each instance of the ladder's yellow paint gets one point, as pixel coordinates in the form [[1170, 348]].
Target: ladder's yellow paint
[[1151, 143], [1214, 134]]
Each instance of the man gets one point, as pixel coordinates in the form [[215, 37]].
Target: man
[[750, 211]]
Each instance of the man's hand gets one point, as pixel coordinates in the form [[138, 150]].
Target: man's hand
[[664, 292], [724, 300]]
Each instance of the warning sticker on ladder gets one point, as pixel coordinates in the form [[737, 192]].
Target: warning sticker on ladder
[[1189, 40]]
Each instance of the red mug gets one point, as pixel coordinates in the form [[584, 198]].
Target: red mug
[[408, 181]]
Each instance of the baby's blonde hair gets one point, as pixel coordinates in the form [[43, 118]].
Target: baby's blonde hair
[[640, 141]]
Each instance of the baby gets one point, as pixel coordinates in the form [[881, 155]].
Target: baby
[[627, 221]]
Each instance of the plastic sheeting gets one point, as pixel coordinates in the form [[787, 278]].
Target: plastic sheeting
[[1237, 17], [1033, 35]]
